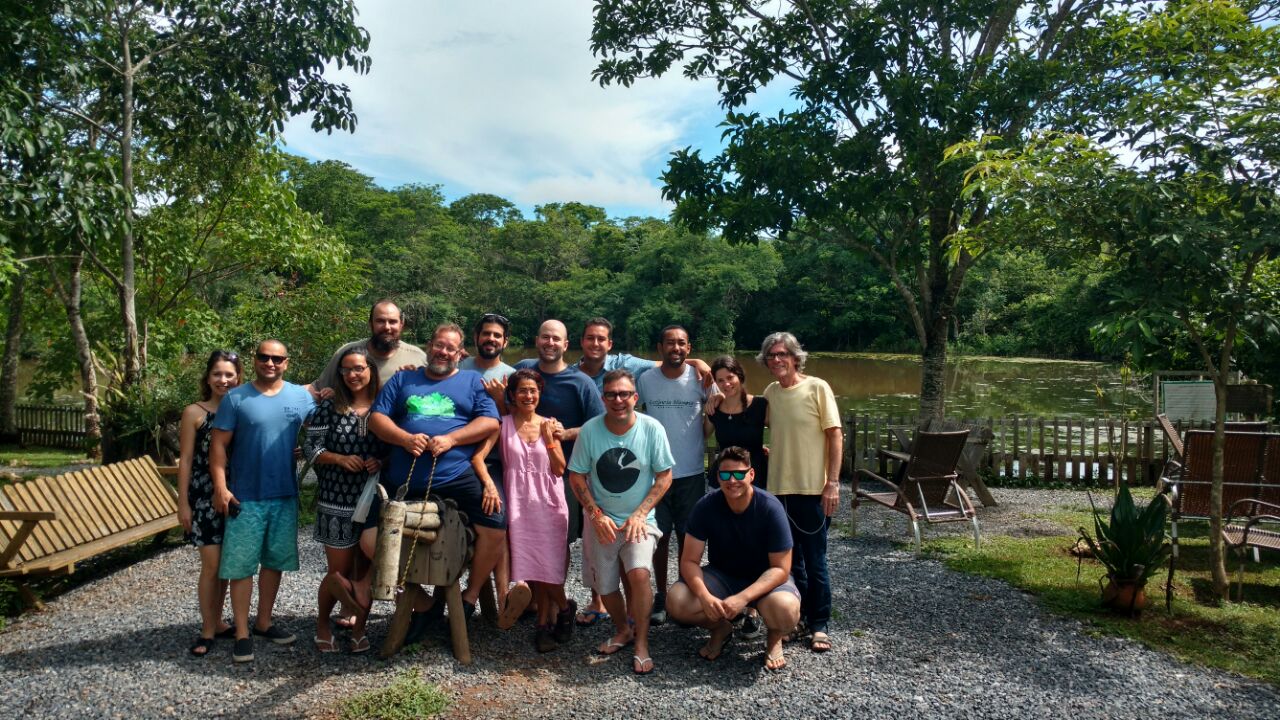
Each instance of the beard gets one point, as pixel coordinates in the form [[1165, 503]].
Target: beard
[[489, 351], [436, 367], [383, 344]]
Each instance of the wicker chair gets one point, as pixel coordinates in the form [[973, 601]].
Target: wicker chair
[[1241, 477], [928, 489], [1242, 533]]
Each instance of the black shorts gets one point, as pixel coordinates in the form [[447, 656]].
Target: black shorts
[[467, 492]]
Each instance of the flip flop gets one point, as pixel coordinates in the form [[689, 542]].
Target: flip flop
[[360, 645], [611, 647], [820, 642], [201, 647], [587, 618], [517, 600], [638, 665], [326, 646], [775, 657]]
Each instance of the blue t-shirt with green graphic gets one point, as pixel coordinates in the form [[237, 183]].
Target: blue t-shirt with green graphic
[[418, 404]]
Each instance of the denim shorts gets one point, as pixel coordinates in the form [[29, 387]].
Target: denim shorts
[[264, 533]]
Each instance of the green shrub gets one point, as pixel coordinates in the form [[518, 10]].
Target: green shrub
[[407, 698]]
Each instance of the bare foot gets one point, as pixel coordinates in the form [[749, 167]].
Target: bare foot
[[715, 644], [774, 659], [616, 643]]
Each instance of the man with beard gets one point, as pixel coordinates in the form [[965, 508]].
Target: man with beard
[[492, 332], [434, 417], [385, 349], [674, 397]]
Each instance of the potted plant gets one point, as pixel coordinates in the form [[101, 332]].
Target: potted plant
[[1132, 546]]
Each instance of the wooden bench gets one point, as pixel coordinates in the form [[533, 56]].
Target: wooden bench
[[47, 525]]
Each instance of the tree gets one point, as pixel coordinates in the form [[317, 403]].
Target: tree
[[883, 87], [1191, 222], [169, 78]]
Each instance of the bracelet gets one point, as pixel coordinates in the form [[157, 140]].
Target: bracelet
[[556, 446]]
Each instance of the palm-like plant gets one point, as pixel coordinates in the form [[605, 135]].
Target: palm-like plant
[[1132, 545]]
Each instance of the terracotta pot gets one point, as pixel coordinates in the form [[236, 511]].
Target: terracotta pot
[[1125, 596]]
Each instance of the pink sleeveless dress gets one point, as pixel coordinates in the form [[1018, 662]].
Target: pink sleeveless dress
[[537, 514]]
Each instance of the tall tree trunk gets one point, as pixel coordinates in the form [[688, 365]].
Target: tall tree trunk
[[70, 295], [128, 285], [933, 374], [9, 365], [1217, 553]]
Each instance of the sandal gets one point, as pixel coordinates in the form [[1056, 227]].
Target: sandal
[[775, 660], [638, 665], [820, 642], [201, 647], [359, 645], [611, 646], [326, 646], [587, 618], [517, 600]]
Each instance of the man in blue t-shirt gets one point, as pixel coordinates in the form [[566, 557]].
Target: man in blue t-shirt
[[748, 541], [619, 470], [434, 418], [257, 425]]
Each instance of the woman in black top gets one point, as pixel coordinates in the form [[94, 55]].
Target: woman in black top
[[738, 418]]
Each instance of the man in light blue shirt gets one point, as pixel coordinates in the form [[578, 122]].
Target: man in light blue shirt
[[597, 341], [620, 468]]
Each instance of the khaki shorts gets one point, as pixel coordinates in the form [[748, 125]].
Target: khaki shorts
[[600, 561]]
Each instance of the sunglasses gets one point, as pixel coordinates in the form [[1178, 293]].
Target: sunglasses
[[494, 317], [729, 475], [619, 395], [277, 359]]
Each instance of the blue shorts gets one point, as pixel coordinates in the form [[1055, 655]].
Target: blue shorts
[[264, 533], [674, 507], [722, 586]]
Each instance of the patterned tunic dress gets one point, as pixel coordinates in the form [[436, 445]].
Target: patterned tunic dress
[[206, 523], [338, 490]]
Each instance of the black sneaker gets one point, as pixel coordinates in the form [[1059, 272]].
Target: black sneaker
[[275, 635], [658, 616], [243, 651], [563, 631], [544, 639]]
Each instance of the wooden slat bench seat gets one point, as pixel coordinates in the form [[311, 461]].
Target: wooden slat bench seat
[[47, 525]]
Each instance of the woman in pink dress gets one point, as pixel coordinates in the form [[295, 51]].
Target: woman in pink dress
[[537, 515]]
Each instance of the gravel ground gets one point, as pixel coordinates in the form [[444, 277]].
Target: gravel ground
[[912, 639]]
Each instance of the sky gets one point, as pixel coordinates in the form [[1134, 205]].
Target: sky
[[496, 96]]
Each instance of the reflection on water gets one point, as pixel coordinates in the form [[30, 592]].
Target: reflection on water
[[976, 387]]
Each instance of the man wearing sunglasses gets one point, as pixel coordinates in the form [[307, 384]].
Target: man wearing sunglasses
[[619, 470], [748, 541], [251, 465]]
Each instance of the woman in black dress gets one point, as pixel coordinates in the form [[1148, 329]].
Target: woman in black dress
[[348, 456], [738, 418], [195, 494]]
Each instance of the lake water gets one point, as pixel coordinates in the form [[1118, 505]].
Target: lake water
[[881, 384]]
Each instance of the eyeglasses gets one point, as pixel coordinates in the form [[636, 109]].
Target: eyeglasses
[[619, 395], [776, 355], [438, 347], [353, 370], [730, 475], [277, 359]]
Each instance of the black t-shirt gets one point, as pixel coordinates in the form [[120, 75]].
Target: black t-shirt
[[745, 430], [738, 544]]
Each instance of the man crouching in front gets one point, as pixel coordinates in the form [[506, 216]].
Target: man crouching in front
[[748, 540]]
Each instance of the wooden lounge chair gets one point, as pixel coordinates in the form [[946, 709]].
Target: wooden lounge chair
[[928, 489], [47, 525]]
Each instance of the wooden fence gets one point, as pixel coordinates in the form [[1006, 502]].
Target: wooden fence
[[1071, 450], [51, 425]]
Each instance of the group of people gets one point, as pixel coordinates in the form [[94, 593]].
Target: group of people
[[610, 449]]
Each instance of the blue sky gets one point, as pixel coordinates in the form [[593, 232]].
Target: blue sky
[[497, 97]]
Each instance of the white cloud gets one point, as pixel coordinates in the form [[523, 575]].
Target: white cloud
[[497, 97]]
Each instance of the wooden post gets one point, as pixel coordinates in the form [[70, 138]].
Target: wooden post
[[458, 624], [400, 621]]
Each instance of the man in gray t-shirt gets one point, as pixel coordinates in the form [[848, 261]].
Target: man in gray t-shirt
[[674, 396], [385, 349]]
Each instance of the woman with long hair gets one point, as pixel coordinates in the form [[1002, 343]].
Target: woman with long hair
[[204, 525], [346, 458], [537, 514], [737, 417]]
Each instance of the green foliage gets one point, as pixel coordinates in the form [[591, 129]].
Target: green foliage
[[408, 698], [1132, 546], [142, 419]]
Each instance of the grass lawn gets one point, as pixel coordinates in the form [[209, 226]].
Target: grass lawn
[[1241, 637], [14, 456]]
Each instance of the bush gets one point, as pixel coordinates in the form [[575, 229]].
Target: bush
[[407, 698]]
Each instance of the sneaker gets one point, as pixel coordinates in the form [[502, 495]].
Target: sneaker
[[544, 639], [243, 651], [275, 635], [658, 616], [564, 622]]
